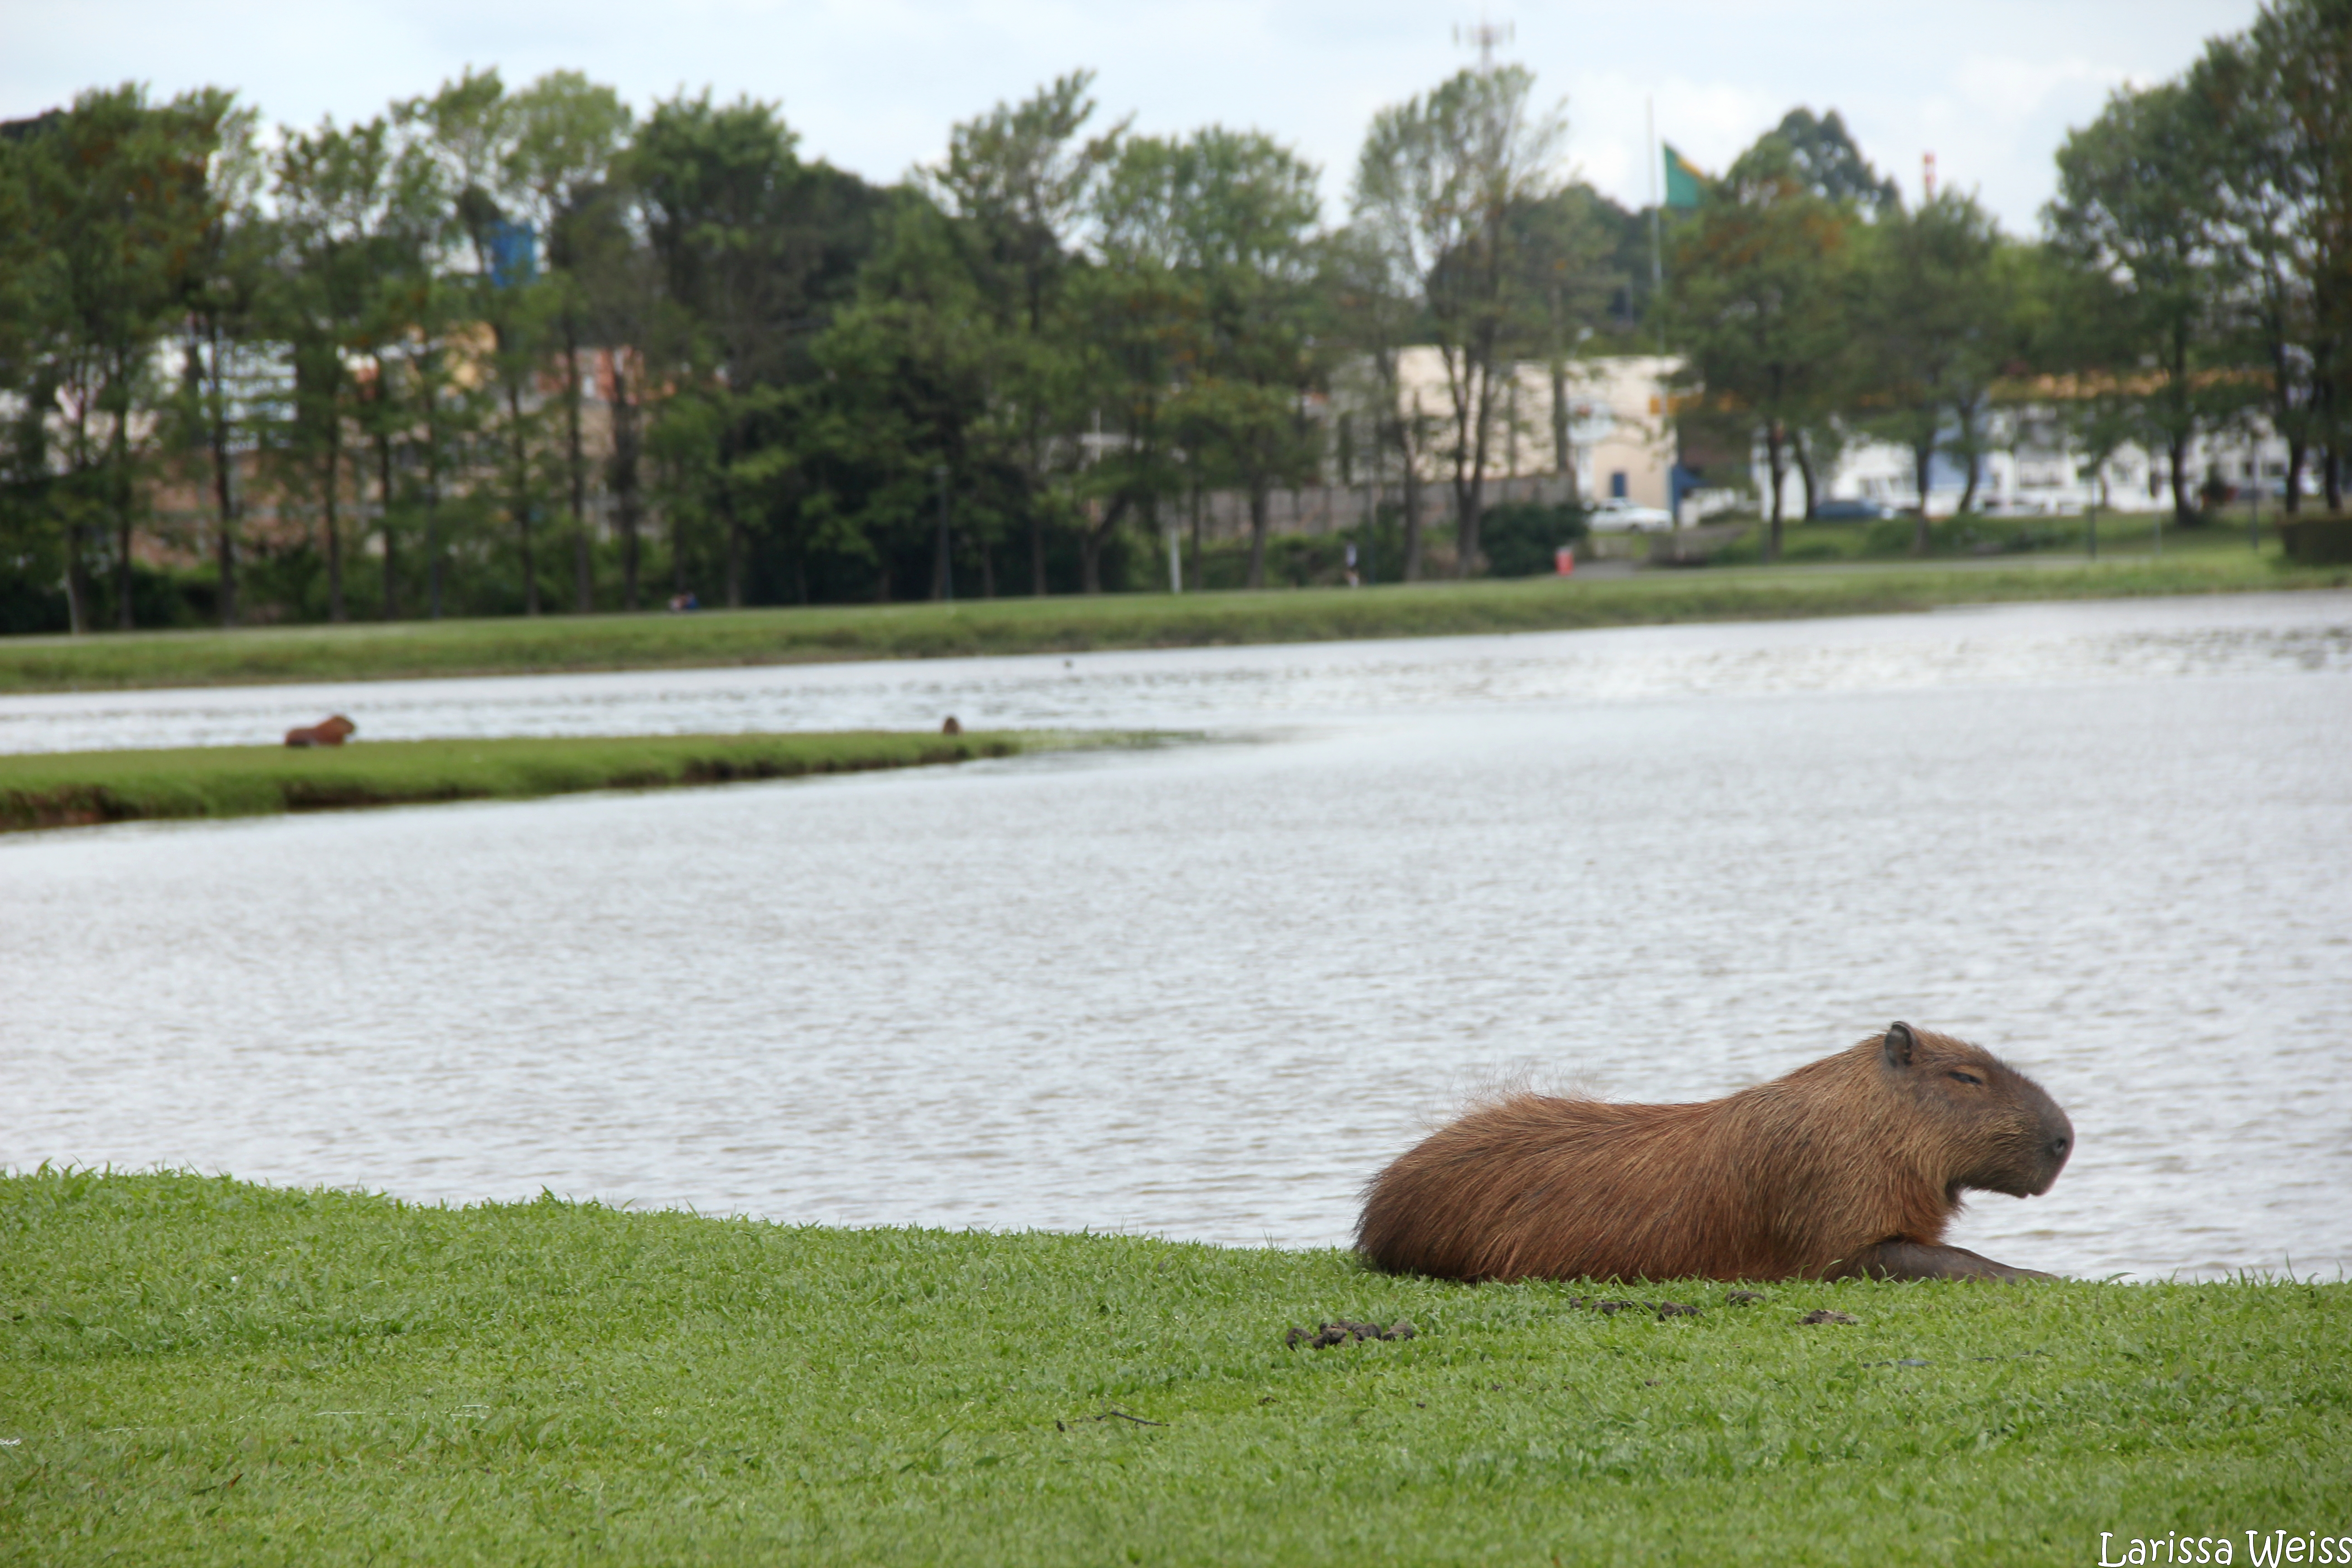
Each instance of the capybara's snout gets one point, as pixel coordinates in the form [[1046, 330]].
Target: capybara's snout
[[2057, 1142], [2039, 1151]]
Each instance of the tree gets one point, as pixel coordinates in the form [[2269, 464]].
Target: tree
[[2137, 203], [1760, 289], [352, 230], [567, 133], [224, 352], [1216, 230], [1824, 158], [2284, 195], [1931, 310], [756, 250], [1377, 314], [117, 197], [1021, 183], [1435, 187]]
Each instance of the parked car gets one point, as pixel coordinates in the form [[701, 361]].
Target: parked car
[[1619, 515], [1863, 510]]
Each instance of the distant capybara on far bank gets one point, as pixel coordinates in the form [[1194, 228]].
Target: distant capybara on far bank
[[951, 727], [331, 732], [1849, 1167]]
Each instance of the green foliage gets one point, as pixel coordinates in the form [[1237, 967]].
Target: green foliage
[[202, 1369], [1520, 538]]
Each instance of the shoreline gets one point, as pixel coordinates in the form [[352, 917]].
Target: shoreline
[[45, 790], [265, 656]]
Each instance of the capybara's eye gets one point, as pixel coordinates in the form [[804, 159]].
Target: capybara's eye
[[1968, 1077]]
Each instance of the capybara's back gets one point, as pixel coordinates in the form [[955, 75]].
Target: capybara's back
[[329, 732], [1804, 1175]]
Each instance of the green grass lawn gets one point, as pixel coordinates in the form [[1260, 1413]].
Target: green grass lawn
[[203, 1371], [66, 788], [516, 645]]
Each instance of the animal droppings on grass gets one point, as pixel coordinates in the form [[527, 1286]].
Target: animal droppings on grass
[[1742, 1297], [1824, 1315], [1610, 1309], [1324, 1335]]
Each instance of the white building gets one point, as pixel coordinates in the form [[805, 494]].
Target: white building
[[2029, 469]]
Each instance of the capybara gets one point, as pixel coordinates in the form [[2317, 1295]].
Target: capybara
[[951, 727], [332, 732], [1850, 1166]]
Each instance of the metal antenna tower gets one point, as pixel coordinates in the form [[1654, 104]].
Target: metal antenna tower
[[1486, 35]]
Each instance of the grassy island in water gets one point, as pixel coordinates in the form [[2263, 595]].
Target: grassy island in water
[[196, 1370], [56, 789]]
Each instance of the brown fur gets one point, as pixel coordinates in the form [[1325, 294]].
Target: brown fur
[[331, 732], [951, 727], [1851, 1164]]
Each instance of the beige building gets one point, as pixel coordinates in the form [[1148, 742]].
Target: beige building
[[1612, 413]]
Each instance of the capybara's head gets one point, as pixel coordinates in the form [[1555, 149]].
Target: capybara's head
[[340, 727], [1995, 1128]]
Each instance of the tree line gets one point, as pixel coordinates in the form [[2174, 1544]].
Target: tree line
[[509, 349], [2194, 278]]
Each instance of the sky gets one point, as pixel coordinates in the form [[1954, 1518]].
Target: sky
[[1990, 87]]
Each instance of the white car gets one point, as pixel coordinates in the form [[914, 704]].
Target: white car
[[1620, 515]]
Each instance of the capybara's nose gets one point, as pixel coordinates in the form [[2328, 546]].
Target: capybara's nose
[[2059, 1145]]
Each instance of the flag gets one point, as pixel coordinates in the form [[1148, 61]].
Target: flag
[[1684, 184]]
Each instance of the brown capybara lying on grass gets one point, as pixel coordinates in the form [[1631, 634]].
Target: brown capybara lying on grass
[[331, 732], [1849, 1166]]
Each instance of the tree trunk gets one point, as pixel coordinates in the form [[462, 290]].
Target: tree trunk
[[1036, 550], [120, 485], [433, 565], [2333, 474], [1258, 524], [225, 498], [335, 611], [1805, 471], [2296, 451], [2177, 450], [735, 543], [77, 583], [1199, 582], [1469, 488], [625, 477], [1091, 540], [583, 586], [383, 523], [1776, 463], [1563, 460], [1923, 458], [1410, 484], [522, 500]]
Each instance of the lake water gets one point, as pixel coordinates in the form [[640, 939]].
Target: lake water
[[1205, 990]]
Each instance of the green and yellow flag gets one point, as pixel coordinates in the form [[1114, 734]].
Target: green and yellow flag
[[1684, 182]]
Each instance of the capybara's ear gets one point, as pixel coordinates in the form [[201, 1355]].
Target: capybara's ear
[[1900, 1044]]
